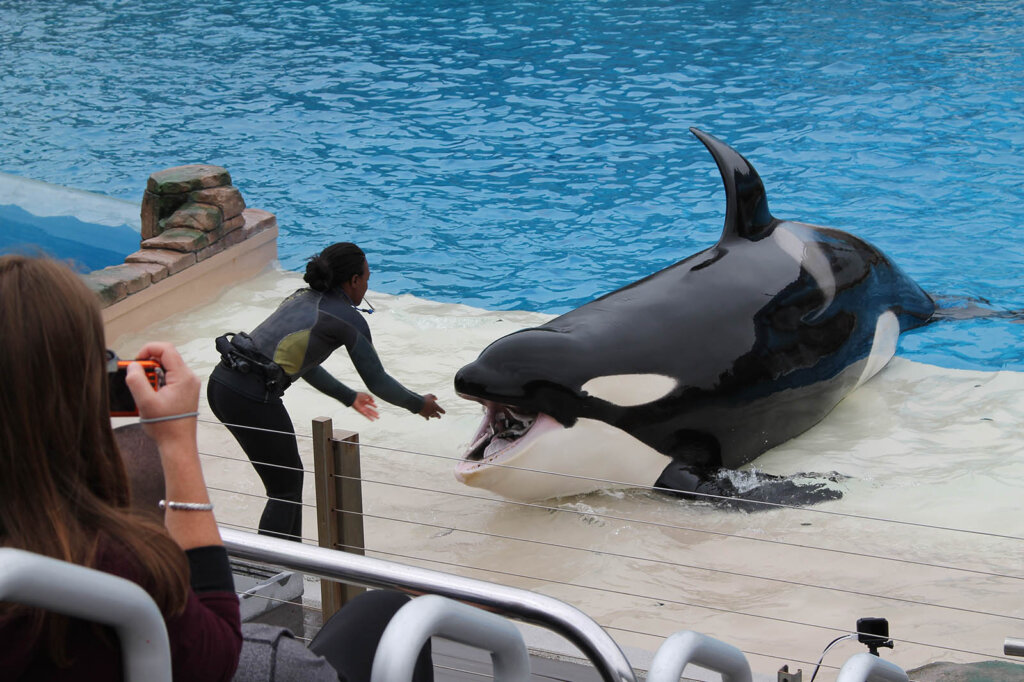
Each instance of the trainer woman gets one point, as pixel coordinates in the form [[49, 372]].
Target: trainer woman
[[245, 389]]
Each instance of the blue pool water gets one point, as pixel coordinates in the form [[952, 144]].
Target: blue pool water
[[86, 245], [532, 155]]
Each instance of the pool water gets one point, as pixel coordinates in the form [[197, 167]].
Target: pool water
[[533, 155], [86, 246]]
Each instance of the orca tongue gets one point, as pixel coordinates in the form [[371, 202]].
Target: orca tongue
[[477, 449], [511, 425], [503, 427]]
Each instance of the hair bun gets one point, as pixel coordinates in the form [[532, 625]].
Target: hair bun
[[318, 274]]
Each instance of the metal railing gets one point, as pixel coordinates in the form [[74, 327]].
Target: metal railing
[[433, 615], [529, 607], [47, 583], [340, 514]]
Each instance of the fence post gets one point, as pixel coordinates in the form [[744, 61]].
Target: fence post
[[339, 503]]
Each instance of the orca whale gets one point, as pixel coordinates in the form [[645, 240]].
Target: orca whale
[[696, 369]]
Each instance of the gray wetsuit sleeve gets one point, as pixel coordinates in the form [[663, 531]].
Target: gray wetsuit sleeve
[[381, 384], [320, 379]]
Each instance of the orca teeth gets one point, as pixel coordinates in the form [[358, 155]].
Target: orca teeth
[[513, 425], [502, 426]]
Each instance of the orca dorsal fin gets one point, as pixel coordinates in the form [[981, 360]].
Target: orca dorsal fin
[[746, 205]]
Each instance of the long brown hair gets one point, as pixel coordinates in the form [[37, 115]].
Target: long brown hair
[[63, 488]]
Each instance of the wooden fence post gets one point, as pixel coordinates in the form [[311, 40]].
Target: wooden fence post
[[339, 503]]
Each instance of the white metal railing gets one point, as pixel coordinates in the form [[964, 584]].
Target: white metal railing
[[92, 595], [523, 605], [433, 615], [865, 667], [684, 648]]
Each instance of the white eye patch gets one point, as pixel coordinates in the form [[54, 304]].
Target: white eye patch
[[630, 390]]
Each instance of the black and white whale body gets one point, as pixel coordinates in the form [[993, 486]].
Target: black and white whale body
[[701, 366]]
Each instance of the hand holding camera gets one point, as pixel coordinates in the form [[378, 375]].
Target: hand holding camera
[[157, 386], [122, 402], [180, 392]]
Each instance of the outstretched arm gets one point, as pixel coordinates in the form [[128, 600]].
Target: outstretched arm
[[367, 362], [323, 381]]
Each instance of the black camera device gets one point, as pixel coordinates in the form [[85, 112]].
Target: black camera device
[[122, 403], [873, 633]]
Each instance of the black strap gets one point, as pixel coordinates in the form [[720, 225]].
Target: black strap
[[239, 352]]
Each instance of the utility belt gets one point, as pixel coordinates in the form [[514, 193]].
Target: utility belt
[[239, 353]]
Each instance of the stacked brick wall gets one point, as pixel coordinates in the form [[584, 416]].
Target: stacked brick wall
[[189, 213]]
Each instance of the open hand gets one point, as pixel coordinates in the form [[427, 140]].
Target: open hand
[[430, 407], [365, 405]]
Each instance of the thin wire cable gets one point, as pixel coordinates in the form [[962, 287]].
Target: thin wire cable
[[819, 664], [669, 526], [623, 484], [657, 599], [474, 673], [664, 600], [831, 644], [680, 565], [282, 602], [745, 651], [238, 526], [716, 533], [250, 529], [253, 428], [646, 597], [629, 520], [269, 465], [278, 601], [861, 517], [310, 609], [660, 599], [307, 505]]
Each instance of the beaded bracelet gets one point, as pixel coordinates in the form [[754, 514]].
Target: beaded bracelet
[[185, 506], [172, 417]]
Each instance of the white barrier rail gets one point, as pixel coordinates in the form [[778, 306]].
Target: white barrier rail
[[58, 586], [523, 605], [688, 647], [433, 615]]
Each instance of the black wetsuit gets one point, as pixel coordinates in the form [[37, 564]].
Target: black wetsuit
[[304, 330]]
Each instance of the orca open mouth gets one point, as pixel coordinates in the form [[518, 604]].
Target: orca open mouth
[[504, 431]]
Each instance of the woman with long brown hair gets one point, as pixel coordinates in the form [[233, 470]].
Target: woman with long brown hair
[[64, 491]]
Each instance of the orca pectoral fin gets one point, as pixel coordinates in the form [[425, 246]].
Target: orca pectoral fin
[[768, 492], [680, 478], [720, 488]]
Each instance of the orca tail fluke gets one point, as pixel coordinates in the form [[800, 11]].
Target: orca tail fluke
[[959, 308]]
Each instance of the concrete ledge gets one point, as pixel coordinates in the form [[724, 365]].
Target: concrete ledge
[[193, 286]]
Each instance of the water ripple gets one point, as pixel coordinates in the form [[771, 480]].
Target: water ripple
[[535, 154]]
